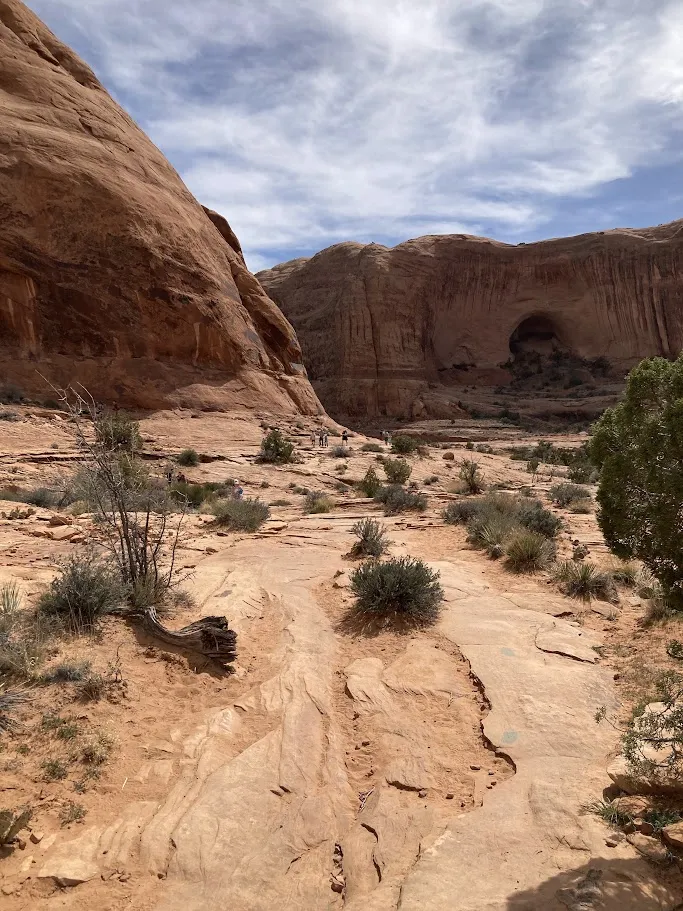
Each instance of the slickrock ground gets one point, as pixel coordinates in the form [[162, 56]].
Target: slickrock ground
[[400, 331], [444, 770], [111, 273]]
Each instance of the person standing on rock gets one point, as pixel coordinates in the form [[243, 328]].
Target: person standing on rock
[[313, 438], [345, 437], [321, 438], [237, 491], [326, 439]]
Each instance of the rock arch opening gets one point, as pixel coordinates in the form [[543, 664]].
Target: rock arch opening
[[538, 334]]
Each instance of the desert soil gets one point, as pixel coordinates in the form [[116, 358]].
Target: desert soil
[[442, 769]]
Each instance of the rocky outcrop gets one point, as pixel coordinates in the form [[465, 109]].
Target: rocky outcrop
[[111, 273], [391, 331]]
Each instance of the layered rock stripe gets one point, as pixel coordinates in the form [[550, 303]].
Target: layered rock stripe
[[379, 327]]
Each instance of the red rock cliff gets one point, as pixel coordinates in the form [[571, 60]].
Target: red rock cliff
[[111, 273], [379, 326]]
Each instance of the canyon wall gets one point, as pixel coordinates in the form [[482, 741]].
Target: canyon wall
[[389, 331], [111, 273]]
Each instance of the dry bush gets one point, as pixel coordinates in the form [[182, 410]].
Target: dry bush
[[402, 589], [87, 588], [529, 552], [371, 538], [586, 581], [471, 477], [241, 515], [397, 499], [317, 501]]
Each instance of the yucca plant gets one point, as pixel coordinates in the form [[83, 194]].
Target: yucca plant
[[586, 581], [529, 552]]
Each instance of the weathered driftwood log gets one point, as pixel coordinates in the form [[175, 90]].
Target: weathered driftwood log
[[209, 636]]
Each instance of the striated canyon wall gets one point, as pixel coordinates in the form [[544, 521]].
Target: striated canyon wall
[[111, 273], [381, 329]]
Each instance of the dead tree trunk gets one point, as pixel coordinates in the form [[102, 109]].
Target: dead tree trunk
[[209, 636]]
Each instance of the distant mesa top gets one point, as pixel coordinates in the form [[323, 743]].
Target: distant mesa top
[[111, 273]]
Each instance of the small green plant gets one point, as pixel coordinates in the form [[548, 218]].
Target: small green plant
[[582, 473], [87, 588], [460, 512], [397, 470], [276, 449], [55, 770], [400, 588], [529, 552], [491, 532], [370, 485], [264, 485], [401, 444], [534, 516], [71, 812], [118, 431], [12, 822], [610, 812], [317, 502], [188, 458], [97, 750], [432, 479], [93, 688], [567, 494], [371, 539], [397, 499], [471, 477], [586, 581], [660, 817], [241, 515], [67, 672], [11, 394], [372, 447]]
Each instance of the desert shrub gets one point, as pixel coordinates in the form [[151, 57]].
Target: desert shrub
[[67, 672], [25, 636], [42, 497], [582, 473], [460, 512], [491, 532], [402, 588], [10, 700], [471, 477], [609, 811], [188, 458], [397, 470], [71, 812], [397, 499], [11, 394], [372, 447], [581, 508], [97, 750], [240, 515], [586, 581], [638, 447], [402, 444], [371, 539], [86, 588], [484, 447], [7, 415], [370, 485], [647, 585], [534, 516], [264, 485], [529, 552], [625, 574], [280, 503], [276, 449], [54, 770], [317, 501], [432, 479], [469, 445], [195, 494], [339, 452], [566, 494], [118, 431], [93, 688]]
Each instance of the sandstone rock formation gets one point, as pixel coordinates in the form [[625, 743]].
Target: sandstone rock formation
[[111, 273], [388, 331]]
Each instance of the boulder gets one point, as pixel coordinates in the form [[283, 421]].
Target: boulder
[[673, 835], [111, 273]]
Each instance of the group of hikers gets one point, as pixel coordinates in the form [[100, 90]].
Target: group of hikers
[[323, 438]]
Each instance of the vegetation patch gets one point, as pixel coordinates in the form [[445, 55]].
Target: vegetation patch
[[317, 501], [402, 589], [471, 476], [529, 552], [566, 494], [241, 515], [402, 444], [397, 499], [275, 449], [397, 470], [370, 485], [371, 539], [86, 588], [188, 458]]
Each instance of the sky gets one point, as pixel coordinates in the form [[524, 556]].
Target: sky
[[310, 122]]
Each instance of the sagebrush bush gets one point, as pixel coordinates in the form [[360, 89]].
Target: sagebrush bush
[[625, 574], [7, 415], [582, 473], [86, 588], [397, 470], [372, 447], [491, 530], [240, 515], [399, 588], [67, 672], [10, 701], [581, 508], [471, 477], [188, 458], [118, 430], [585, 580], [402, 444], [529, 552], [533, 515], [340, 452], [317, 501], [397, 499], [196, 494], [460, 512], [371, 538], [566, 494], [370, 485], [276, 449]]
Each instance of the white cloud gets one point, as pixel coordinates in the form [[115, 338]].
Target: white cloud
[[306, 122]]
